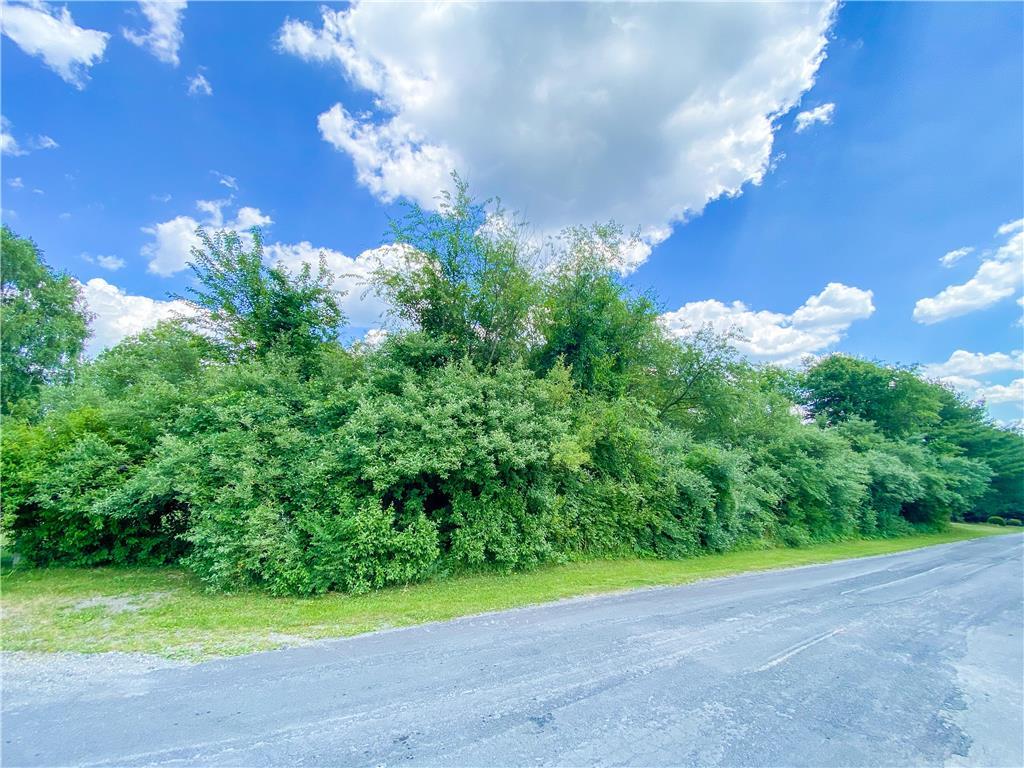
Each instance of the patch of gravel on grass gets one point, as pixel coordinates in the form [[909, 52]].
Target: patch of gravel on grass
[[30, 678], [121, 603]]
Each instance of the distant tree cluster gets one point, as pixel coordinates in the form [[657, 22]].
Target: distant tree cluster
[[519, 413]]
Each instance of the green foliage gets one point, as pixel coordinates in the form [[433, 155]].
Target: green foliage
[[589, 321], [1013, 521], [517, 416], [42, 324], [895, 399], [252, 309], [463, 279], [996, 520]]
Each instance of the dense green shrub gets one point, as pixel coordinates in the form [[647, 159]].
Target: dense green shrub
[[996, 520], [514, 416], [1013, 521]]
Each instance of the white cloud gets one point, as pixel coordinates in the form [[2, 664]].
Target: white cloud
[[997, 394], [965, 384], [198, 85], [392, 159], [822, 115], [954, 256], [999, 276], [118, 314], [170, 250], [113, 263], [374, 337], [247, 218], [66, 48], [642, 114], [214, 211], [964, 363], [775, 337], [1010, 227], [362, 306], [228, 181], [164, 37], [968, 372], [8, 144], [16, 182]]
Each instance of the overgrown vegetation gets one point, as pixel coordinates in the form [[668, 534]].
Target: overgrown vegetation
[[524, 411]]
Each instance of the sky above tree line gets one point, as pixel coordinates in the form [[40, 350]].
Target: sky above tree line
[[817, 178]]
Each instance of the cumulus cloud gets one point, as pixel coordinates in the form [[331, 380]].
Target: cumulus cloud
[[970, 373], [374, 337], [119, 314], [198, 85], [66, 48], [775, 337], [964, 363], [998, 277], [998, 394], [8, 144], [819, 115], [642, 113], [170, 249], [16, 182], [164, 36], [363, 307]]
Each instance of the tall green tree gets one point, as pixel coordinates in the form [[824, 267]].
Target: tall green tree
[[464, 278], [589, 319], [43, 322], [252, 309], [894, 398]]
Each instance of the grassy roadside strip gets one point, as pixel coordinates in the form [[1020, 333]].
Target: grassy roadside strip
[[165, 611]]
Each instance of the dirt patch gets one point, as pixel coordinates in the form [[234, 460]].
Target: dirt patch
[[121, 603]]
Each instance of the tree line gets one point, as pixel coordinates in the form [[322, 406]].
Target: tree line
[[523, 410]]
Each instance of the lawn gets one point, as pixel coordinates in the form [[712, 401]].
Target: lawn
[[166, 612]]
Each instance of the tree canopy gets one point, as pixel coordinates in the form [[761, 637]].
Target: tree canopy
[[522, 410], [43, 318]]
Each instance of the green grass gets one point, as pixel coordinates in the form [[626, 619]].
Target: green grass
[[166, 611]]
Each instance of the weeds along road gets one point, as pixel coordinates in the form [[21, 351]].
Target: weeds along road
[[913, 658]]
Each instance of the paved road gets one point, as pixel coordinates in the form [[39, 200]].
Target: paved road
[[908, 659]]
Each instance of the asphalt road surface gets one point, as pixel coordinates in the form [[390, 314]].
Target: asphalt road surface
[[907, 659]]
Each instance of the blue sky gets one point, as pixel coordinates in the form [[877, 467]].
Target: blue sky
[[679, 121]]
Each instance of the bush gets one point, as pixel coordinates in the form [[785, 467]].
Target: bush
[[1013, 521], [521, 415], [996, 520]]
